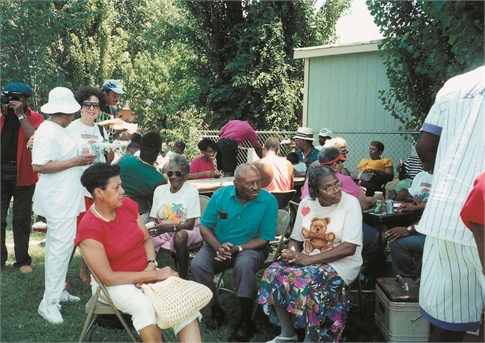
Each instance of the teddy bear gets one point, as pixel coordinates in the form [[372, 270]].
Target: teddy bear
[[316, 237]]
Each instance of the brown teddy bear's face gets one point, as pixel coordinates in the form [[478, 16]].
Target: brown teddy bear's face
[[319, 225]]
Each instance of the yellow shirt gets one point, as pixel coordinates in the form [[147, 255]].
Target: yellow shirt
[[367, 163]]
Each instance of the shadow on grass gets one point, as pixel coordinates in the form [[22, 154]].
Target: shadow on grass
[[21, 294]]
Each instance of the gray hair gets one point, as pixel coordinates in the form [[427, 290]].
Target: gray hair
[[241, 168], [337, 141], [181, 162], [314, 178], [328, 153]]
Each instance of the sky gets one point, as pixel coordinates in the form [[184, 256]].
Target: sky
[[357, 25]]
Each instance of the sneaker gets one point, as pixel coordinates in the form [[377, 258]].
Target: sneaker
[[65, 296], [50, 311], [279, 339], [26, 269]]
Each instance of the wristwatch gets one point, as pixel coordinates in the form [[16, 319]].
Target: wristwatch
[[410, 228], [153, 261], [22, 117], [240, 248]]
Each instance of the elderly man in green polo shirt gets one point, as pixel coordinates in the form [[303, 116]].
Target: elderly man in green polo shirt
[[237, 225]]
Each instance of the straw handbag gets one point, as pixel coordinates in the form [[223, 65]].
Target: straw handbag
[[176, 299]]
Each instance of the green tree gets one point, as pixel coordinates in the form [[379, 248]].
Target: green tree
[[425, 43], [248, 65]]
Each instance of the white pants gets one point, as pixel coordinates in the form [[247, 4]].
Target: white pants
[[129, 299], [451, 282], [59, 245]]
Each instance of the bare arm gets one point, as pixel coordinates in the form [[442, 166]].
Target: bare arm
[[478, 233], [27, 127], [427, 147], [52, 167], [266, 172], [343, 250], [404, 195], [194, 176], [386, 175], [97, 259], [166, 227]]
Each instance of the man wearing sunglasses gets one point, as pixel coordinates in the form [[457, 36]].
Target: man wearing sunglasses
[[138, 173], [17, 124]]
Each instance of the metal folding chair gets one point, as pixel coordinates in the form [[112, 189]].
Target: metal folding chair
[[94, 308], [284, 198]]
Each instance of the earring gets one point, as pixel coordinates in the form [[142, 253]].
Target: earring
[[101, 199]]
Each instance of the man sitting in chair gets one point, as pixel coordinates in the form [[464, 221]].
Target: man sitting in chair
[[276, 172], [237, 225]]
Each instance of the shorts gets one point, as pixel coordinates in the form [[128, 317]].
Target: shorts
[[451, 295]]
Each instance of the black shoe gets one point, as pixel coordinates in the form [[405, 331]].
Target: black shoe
[[243, 332], [217, 319]]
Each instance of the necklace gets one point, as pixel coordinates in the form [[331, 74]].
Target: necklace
[[98, 214]]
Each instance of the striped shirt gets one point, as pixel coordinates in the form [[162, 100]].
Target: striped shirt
[[412, 167], [458, 117]]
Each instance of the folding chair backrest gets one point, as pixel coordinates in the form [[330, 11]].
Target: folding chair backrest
[[281, 227], [204, 200], [284, 198], [95, 308]]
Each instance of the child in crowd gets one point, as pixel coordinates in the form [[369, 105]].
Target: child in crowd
[[299, 167], [179, 148]]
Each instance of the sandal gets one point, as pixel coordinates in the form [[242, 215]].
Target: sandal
[[87, 281]]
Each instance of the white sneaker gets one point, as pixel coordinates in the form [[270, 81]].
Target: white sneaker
[[65, 296], [50, 311], [279, 339]]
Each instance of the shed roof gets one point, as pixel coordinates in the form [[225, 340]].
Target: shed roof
[[336, 49]]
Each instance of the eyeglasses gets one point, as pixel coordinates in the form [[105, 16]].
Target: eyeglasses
[[89, 104], [178, 173], [329, 189]]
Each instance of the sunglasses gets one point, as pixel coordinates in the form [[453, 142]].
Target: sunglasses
[[178, 173], [89, 104]]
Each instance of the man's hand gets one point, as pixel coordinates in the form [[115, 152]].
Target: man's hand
[[17, 106], [406, 207], [30, 143], [397, 232], [223, 252], [417, 201]]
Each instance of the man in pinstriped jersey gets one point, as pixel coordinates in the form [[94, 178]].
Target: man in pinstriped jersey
[[451, 296]]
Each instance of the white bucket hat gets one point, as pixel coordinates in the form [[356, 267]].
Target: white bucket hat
[[61, 100], [305, 133]]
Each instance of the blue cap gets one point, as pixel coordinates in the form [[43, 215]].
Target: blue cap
[[18, 88], [114, 85]]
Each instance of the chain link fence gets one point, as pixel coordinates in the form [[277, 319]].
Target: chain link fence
[[398, 145]]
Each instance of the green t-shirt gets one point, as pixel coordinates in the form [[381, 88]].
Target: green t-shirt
[[138, 179]]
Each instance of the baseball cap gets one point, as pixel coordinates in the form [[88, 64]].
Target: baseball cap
[[114, 85], [325, 133]]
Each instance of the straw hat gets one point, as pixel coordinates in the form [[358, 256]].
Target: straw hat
[[305, 133], [61, 100]]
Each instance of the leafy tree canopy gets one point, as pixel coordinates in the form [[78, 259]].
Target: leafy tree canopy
[[426, 43]]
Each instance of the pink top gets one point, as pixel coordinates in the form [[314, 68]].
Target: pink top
[[349, 186], [199, 165], [240, 131], [122, 238], [281, 180]]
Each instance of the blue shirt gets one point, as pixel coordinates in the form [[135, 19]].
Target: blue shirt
[[312, 156], [256, 218]]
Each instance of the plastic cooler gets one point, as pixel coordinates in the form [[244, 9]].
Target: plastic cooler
[[397, 311]]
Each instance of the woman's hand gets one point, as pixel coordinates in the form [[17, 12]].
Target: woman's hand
[[295, 257], [406, 207], [209, 173], [417, 201], [165, 273], [397, 232], [84, 160]]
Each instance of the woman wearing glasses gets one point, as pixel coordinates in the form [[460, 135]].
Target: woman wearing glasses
[[175, 214], [308, 287], [86, 133], [202, 167]]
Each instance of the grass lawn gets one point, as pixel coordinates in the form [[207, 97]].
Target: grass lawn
[[21, 295]]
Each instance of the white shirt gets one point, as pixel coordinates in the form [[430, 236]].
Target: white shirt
[[345, 223], [57, 195], [177, 207], [458, 117], [86, 137], [421, 186]]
